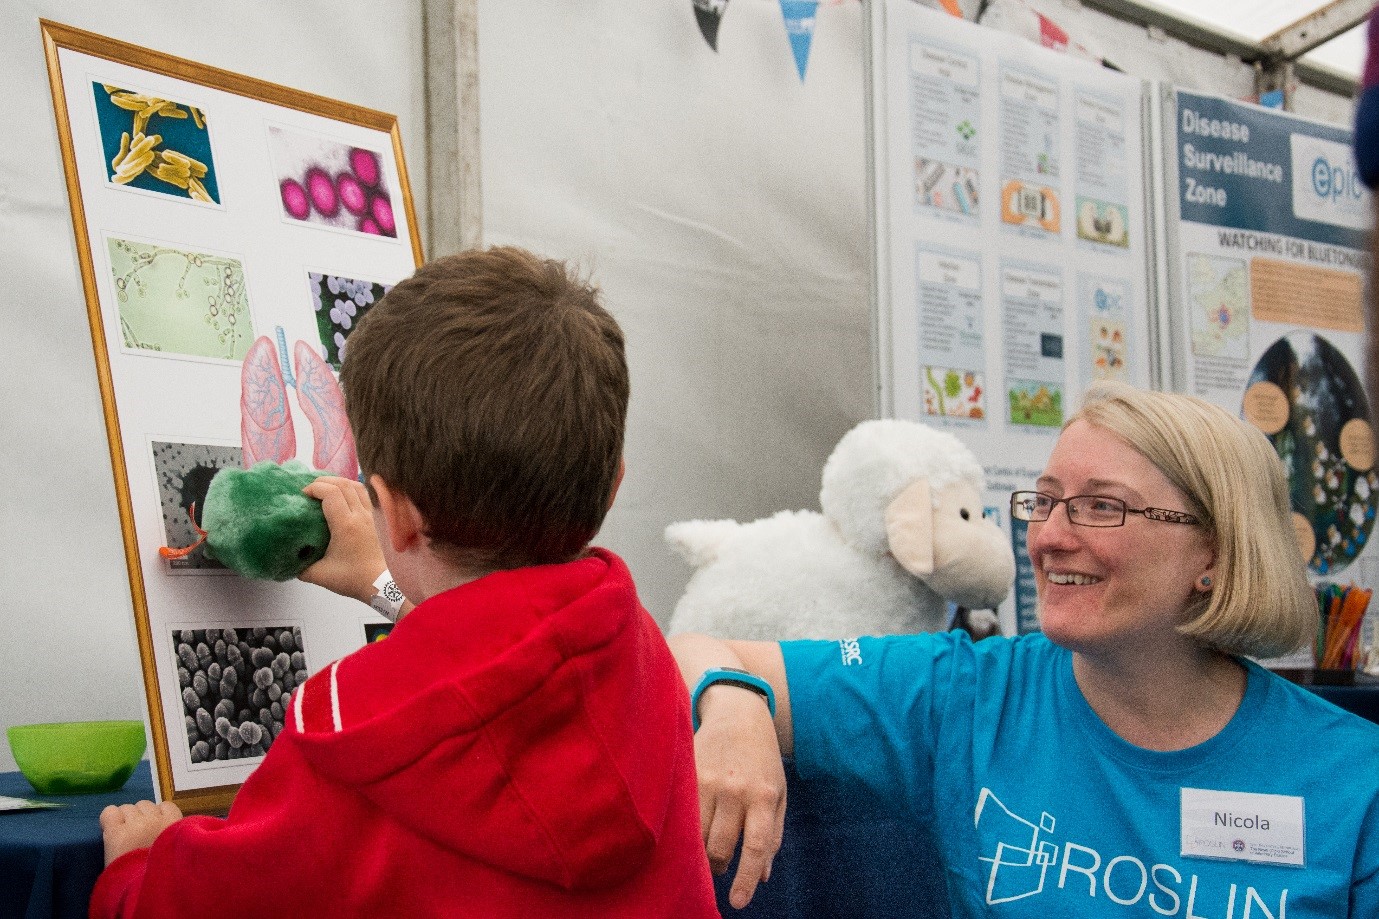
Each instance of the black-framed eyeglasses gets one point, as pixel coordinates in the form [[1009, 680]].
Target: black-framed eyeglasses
[[1088, 510]]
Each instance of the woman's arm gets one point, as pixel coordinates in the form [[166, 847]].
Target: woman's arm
[[737, 752]]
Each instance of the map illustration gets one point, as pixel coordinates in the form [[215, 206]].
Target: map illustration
[[180, 302], [1218, 290]]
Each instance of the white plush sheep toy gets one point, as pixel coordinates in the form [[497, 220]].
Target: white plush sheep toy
[[901, 534]]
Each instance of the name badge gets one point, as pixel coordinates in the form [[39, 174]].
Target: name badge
[[1242, 826]]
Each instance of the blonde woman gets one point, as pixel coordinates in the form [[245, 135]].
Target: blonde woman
[[1131, 760]]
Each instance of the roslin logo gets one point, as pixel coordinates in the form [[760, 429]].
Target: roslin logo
[[1326, 184], [1019, 859]]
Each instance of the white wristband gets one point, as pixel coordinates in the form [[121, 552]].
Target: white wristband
[[387, 600]]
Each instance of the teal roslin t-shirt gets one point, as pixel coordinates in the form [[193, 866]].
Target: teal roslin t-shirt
[[1040, 810]]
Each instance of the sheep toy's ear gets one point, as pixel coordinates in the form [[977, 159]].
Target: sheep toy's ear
[[910, 528], [698, 541]]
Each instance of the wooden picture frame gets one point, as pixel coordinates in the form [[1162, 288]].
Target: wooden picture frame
[[215, 213]]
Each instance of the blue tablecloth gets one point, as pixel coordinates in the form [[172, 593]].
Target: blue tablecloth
[[1363, 700], [50, 859], [843, 857]]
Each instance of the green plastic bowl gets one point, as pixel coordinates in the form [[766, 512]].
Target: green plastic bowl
[[77, 757]]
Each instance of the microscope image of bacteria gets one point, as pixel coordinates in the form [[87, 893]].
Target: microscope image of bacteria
[[235, 686], [325, 182], [155, 144], [339, 303], [184, 472]]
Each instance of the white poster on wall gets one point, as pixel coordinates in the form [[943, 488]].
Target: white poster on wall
[[231, 233], [1267, 262], [1011, 251]]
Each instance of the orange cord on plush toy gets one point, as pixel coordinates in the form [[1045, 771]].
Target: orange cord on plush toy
[[170, 553]]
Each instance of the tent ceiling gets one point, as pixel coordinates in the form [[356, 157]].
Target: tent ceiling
[[1254, 20]]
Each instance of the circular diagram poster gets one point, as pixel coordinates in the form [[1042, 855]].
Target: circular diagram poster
[[1306, 397]]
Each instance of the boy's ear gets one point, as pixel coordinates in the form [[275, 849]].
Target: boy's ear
[[617, 482], [402, 522]]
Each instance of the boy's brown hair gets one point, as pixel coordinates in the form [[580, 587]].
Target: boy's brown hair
[[491, 389]]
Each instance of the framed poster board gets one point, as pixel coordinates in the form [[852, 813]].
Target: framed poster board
[[228, 231], [1012, 252]]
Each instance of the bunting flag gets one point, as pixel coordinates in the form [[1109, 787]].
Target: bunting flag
[[709, 13], [799, 26], [1019, 18]]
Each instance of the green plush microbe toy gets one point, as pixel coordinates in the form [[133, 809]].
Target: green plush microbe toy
[[257, 522]]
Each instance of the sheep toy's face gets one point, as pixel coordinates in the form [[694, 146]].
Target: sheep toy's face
[[940, 536]]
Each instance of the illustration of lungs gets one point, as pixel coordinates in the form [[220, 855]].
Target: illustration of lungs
[[265, 420], [320, 397]]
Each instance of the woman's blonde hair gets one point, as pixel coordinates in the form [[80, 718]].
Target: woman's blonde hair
[[1260, 603]]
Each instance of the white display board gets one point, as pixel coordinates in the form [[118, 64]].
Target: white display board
[[1267, 261], [1012, 260], [230, 233]]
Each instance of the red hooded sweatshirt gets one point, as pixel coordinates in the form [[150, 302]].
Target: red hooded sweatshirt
[[518, 746]]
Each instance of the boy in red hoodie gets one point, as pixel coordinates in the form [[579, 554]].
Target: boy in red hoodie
[[520, 744]]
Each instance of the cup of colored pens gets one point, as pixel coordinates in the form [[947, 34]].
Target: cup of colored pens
[[1341, 615]]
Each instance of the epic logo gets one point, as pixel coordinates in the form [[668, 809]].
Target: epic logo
[[1330, 181], [1326, 184], [1107, 301]]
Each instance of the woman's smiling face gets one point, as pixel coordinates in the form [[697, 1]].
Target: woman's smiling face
[[1110, 588]]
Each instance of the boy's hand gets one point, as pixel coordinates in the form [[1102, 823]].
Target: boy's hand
[[353, 559], [127, 827]]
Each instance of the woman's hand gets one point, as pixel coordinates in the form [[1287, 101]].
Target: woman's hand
[[126, 827], [737, 754], [741, 786]]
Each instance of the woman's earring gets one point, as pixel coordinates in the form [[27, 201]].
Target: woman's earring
[[1205, 581]]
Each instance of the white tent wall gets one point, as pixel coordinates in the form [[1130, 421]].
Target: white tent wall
[[718, 200], [720, 203], [67, 645]]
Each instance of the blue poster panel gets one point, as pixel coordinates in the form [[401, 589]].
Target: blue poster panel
[[1269, 268]]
